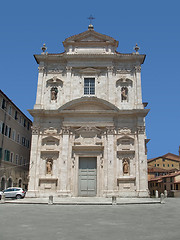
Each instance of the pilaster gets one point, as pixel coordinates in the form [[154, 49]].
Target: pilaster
[[40, 94], [138, 94]]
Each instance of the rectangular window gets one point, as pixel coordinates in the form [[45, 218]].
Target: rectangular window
[[28, 126], [14, 135], [163, 165], [17, 157], [172, 165], [21, 161], [171, 187], [6, 155], [9, 132], [15, 115], [10, 110], [1, 127], [3, 104], [89, 86], [23, 141], [0, 153], [18, 138], [24, 122], [12, 157], [6, 130]]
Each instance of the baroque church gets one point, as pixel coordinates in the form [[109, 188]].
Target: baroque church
[[88, 134]]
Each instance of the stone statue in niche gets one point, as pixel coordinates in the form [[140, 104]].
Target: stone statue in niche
[[124, 93], [126, 166], [49, 166], [54, 92]]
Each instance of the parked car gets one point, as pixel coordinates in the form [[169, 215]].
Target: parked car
[[13, 192]]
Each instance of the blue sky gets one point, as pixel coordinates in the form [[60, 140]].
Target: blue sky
[[154, 25]]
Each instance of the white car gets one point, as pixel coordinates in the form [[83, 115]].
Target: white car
[[13, 192]]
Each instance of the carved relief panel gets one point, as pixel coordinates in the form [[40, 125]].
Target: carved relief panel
[[88, 136]]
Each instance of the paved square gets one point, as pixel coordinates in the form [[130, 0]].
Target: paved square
[[55, 222]]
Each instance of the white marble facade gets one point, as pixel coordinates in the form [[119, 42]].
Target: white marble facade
[[89, 108]]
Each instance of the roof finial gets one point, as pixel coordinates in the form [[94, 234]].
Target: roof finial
[[90, 19], [136, 48], [44, 48]]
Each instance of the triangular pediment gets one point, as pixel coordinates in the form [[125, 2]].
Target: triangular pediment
[[90, 36], [90, 39]]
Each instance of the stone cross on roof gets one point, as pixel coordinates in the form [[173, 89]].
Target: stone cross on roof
[[91, 18]]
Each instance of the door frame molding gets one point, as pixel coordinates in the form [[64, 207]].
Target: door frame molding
[[75, 182]]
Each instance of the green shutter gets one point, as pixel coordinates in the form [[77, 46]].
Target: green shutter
[[0, 153], [6, 155]]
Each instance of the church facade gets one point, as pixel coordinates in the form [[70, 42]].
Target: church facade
[[88, 134]]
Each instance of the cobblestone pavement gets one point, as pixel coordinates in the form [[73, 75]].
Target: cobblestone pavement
[[124, 222]]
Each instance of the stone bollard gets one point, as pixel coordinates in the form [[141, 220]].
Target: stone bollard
[[3, 198], [165, 193], [114, 202], [50, 202], [156, 194], [162, 198]]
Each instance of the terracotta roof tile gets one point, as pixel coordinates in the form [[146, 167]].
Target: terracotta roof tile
[[170, 156]]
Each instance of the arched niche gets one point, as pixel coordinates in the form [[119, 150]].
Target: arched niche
[[50, 141], [54, 81], [124, 82], [125, 141], [10, 182], [123, 86]]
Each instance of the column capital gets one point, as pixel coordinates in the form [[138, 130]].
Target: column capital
[[137, 68]]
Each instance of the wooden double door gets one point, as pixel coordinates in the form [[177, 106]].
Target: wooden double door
[[87, 176]]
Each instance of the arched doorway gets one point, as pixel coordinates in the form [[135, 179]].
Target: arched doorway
[[9, 183], [20, 183], [3, 183]]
